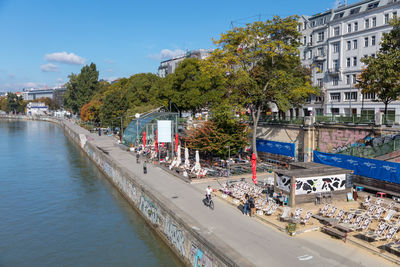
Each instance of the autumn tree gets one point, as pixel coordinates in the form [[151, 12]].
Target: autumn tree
[[91, 111], [262, 64], [382, 74]]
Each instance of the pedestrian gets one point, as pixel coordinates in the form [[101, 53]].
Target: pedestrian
[[145, 166], [137, 157], [252, 206], [246, 207], [267, 192], [99, 131]]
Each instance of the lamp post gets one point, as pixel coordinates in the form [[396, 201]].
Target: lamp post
[[228, 166]]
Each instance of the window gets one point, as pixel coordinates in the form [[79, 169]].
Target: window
[[350, 95], [336, 48], [355, 26], [338, 16], [304, 54], [369, 96], [336, 64], [373, 55], [366, 42], [373, 39], [395, 14], [304, 40], [355, 10], [374, 22], [335, 97], [310, 54], [335, 110], [348, 62], [310, 39], [336, 31], [320, 36], [320, 82], [366, 25], [354, 78], [320, 67], [348, 79], [354, 61], [354, 44], [386, 20], [335, 80], [348, 28], [365, 56], [321, 51], [348, 45], [372, 5]]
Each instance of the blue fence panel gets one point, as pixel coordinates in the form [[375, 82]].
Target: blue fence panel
[[377, 169], [273, 147]]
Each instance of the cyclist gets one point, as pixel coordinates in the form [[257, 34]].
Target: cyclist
[[208, 193]]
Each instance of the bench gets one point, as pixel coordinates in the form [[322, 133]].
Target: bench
[[334, 232]]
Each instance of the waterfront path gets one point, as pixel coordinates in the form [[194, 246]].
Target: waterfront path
[[257, 242]]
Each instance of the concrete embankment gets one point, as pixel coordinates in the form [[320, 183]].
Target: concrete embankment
[[195, 245]]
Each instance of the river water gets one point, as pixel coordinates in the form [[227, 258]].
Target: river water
[[58, 209]]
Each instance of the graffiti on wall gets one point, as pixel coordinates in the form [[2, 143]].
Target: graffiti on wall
[[320, 184], [198, 258], [283, 182], [82, 139], [330, 140], [132, 192], [175, 235], [148, 209]]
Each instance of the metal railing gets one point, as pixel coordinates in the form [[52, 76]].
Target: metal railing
[[354, 119]]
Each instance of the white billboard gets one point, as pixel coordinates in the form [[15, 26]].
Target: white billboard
[[164, 131]]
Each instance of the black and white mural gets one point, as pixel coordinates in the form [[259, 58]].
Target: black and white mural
[[311, 185]]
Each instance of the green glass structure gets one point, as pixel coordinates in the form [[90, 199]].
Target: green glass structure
[[147, 123]]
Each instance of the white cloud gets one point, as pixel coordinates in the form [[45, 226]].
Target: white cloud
[[109, 61], [64, 57], [166, 53], [32, 85], [109, 70], [49, 68]]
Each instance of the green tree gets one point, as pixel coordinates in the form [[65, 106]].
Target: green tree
[[382, 74], [191, 87], [262, 65], [81, 88], [15, 104]]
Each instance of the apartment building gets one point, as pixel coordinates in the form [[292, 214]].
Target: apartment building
[[333, 43]]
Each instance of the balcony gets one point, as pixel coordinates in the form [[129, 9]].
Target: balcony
[[334, 71], [320, 57]]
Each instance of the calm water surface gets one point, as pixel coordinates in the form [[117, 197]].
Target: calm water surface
[[57, 209]]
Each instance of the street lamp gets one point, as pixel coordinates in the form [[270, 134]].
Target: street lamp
[[228, 166]]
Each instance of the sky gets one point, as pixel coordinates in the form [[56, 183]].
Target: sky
[[42, 41]]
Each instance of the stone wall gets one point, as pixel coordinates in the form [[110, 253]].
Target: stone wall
[[194, 245]]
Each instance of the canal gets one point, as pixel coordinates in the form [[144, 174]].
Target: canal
[[58, 209]]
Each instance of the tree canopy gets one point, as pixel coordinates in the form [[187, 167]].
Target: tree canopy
[[262, 65], [382, 74]]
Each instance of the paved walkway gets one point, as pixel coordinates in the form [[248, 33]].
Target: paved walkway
[[259, 243]]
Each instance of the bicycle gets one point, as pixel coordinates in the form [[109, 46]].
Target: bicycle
[[208, 202]]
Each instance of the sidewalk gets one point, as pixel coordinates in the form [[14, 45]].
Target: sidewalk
[[258, 243]]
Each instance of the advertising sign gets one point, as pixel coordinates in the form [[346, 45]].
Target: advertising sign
[[164, 128]]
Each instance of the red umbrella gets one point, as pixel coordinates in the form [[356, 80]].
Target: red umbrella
[[176, 142], [254, 167], [156, 144], [144, 140]]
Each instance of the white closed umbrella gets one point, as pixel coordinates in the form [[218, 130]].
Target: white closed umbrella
[[197, 166], [179, 158], [187, 162]]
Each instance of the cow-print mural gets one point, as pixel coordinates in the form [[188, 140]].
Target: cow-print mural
[[313, 185]]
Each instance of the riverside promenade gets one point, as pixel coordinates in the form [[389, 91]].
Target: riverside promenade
[[247, 238]]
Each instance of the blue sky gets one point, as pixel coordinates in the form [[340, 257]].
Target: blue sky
[[43, 41]]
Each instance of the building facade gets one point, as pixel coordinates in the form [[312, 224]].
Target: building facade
[[168, 66], [333, 43], [36, 108]]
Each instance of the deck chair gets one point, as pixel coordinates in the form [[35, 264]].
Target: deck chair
[[297, 214], [268, 207], [389, 215], [325, 209], [378, 213], [332, 212], [371, 210], [272, 210], [357, 222], [285, 214], [378, 201], [365, 224], [391, 205], [348, 218], [381, 228], [367, 202], [307, 218], [391, 232], [339, 215]]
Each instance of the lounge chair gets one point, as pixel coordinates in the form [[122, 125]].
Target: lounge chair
[[332, 212], [307, 218], [371, 210], [285, 214], [324, 210], [381, 228], [367, 202], [358, 221], [348, 218], [297, 214], [365, 224], [391, 232], [391, 205], [389, 215], [339, 215], [378, 201], [378, 213], [272, 210]]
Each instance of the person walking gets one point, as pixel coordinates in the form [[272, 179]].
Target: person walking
[[145, 166], [252, 206], [137, 157], [246, 207]]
